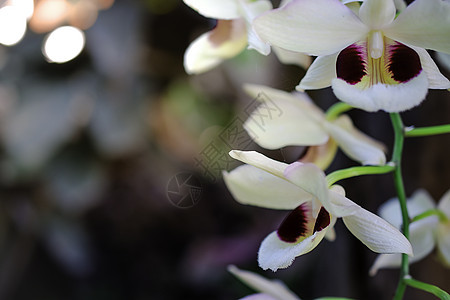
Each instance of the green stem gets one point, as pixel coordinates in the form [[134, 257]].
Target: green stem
[[336, 110], [441, 294], [358, 171], [426, 131], [432, 212], [398, 180]]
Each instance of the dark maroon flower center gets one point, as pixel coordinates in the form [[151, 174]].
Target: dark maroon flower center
[[404, 63], [350, 65], [295, 225]]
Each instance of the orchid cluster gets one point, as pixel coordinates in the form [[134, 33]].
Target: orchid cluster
[[373, 54]]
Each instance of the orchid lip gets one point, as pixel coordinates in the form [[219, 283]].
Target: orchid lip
[[299, 223], [378, 60]]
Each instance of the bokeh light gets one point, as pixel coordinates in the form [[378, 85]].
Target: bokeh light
[[13, 25], [26, 6], [63, 44]]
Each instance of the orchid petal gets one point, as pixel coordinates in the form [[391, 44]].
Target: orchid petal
[[251, 11], [305, 26], [292, 58], [221, 9], [275, 254], [377, 234], [274, 288], [284, 119], [228, 39], [291, 130], [253, 186], [400, 5], [435, 78], [385, 261], [444, 60], [354, 6], [377, 13], [387, 97], [431, 32], [311, 179], [260, 161], [422, 240], [443, 242], [419, 202], [444, 204], [320, 73], [342, 206], [322, 155], [443, 232], [354, 143], [267, 94]]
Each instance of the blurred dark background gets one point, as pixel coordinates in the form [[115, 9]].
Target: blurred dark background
[[107, 185]]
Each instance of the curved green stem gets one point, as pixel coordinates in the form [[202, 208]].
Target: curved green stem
[[426, 131], [358, 171], [398, 180], [336, 110], [441, 294], [432, 212]]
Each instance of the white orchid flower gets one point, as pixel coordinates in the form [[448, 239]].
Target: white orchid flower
[[301, 123], [232, 34], [373, 60], [303, 189], [425, 234]]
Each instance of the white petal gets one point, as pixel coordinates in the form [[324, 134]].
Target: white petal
[[356, 144], [218, 9], [322, 156], [444, 204], [292, 58], [274, 288], [384, 261], [435, 78], [443, 242], [267, 94], [342, 206], [275, 254], [283, 119], [377, 234], [320, 73], [305, 26], [422, 240], [210, 49], [432, 32], [444, 60], [400, 5], [251, 11], [311, 179], [390, 98], [419, 202], [376, 14], [260, 161], [253, 186]]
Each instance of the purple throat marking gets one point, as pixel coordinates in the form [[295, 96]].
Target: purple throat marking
[[350, 65], [404, 63], [294, 225]]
